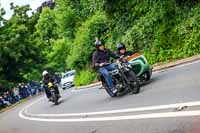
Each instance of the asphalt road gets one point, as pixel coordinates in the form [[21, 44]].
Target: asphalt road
[[170, 103]]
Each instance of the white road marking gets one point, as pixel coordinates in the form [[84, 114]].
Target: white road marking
[[151, 108], [31, 104], [37, 117], [114, 118]]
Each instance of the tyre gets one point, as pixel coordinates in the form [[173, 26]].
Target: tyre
[[56, 100], [110, 93], [54, 97], [134, 83], [148, 75]]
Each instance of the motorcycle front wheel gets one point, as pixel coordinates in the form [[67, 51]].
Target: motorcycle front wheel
[[134, 85], [54, 98], [104, 84]]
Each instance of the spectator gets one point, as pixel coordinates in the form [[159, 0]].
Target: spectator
[[57, 78], [2, 104], [37, 87], [6, 99], [11, 96], [16, 94], [25, 90], [21, 91], [29, 89]]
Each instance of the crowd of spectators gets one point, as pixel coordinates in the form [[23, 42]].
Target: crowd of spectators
[[21, 91]]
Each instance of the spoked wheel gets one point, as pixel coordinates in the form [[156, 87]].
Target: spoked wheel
[[147, 76], [54, 98], [135, 87], [110, 93], [134, 83]]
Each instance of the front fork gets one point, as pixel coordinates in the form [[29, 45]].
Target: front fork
[[125, 77]]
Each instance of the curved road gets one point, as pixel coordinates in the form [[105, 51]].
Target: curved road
[[170, 103]]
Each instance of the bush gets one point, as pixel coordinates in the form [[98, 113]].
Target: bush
[[85, 77], [83, 47], [167, 31]]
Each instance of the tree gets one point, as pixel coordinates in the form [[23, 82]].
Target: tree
[[46, 26], [17, 55], [2, 13], [66, 19], [83, 47]]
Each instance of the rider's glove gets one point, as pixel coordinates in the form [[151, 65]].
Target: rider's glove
[[101, 64]]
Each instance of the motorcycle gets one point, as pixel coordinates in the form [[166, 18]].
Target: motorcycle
[[140, 66], [124, 79], [54, 96]]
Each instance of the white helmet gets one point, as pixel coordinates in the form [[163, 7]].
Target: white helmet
[[44, 73]]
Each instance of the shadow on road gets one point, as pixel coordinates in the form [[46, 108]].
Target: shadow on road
[[60, 101], [149, 83]]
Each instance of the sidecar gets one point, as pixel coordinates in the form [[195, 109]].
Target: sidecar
[[140, 66]]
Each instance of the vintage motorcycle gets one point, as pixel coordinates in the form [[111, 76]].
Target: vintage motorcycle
[[123, 78], [140, 66]]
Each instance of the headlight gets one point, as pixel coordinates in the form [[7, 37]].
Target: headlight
[[129, 66], [113, 72]]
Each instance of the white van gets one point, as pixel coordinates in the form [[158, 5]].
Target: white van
[[67, 80]]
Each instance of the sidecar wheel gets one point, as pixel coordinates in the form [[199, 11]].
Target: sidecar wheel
[[147, 75]]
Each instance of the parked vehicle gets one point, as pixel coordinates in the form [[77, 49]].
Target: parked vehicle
[[67, 80]]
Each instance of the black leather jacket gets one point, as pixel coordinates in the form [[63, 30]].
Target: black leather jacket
[[46, 79], [103, 57]]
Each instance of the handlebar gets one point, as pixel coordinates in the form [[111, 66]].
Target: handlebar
[[121, 59]]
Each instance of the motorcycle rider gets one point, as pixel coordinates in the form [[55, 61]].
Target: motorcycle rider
[[147, 72], [101, 61], [121, 50], [45, 80]]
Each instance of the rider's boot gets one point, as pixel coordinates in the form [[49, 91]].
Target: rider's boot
[[114, 90]]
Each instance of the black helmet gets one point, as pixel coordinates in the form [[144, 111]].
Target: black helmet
[[121, 46], [98, 43]]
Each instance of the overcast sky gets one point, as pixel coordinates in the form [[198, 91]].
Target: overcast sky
[[6, 5]]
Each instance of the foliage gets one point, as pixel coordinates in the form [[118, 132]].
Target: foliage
[[66, 19], [63, 38], [46, 26], [85, 77], [83, 46], [58, 54], [17, 56]]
